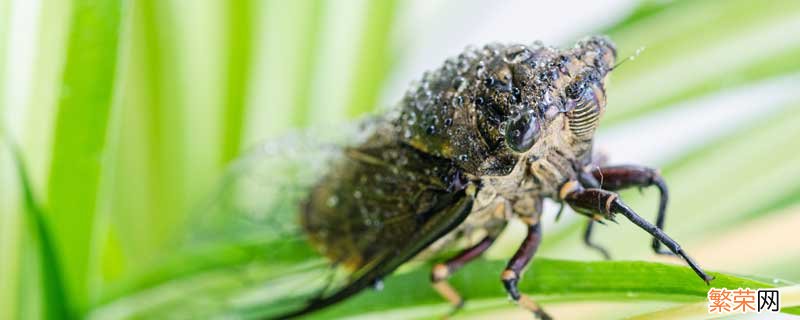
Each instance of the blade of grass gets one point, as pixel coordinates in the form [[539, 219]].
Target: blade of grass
[[106, 252], [11, 235], [308, 43], [554, 279], [80, 135], [164, 125], [51, 36], [644, 10], [55, 302], [283, 70], [239, 49], [5, 24], [680, 63], [792, 310], [375, 57]]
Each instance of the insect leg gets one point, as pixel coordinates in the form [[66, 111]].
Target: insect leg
[[587, 239], [616, 178], [511, 275], [587, 179], [608, 203], [442, 271]]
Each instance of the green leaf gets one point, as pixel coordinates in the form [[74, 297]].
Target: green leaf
[[4, 16], [239, 48], [546, 279], [792, 310], [87, 92], [55, 302], [307, 41], [680, 64], [374, 57], [550, 279]]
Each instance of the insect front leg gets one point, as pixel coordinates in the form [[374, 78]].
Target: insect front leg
[[442, 271], [607, 203], [616, 178], [587, 179], [513, 271], [587, 240]]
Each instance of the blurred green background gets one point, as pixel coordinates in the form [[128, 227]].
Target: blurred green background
[[127, 112]]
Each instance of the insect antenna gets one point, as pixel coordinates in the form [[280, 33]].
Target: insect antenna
[[629, 58]]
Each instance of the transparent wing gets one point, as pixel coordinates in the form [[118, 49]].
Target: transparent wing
[[306, 221], [254, 212]]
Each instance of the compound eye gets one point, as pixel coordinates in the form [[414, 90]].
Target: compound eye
[[522, 132]]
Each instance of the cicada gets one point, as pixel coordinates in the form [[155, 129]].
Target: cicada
[[482, 140]]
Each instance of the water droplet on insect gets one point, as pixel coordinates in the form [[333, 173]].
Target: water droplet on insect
[[411, 119], [332, 201], [458, 101], [480, 70], [402, 161], [518, 54], [431, 130], [463, 157], [547, 98], [448, 121]]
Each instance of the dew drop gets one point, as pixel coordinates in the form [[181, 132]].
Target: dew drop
[[332, 201], [431, 130], [458, 101], [480, 70], [518, 54]]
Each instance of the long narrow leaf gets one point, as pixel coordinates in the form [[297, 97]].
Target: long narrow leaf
[[80, 134], [375, 57], [55, 302], [740, 43], [239, 50]]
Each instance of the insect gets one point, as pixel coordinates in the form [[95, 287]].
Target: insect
[[484, 139]]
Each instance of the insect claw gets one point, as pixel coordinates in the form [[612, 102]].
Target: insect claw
[[708, 279], [454, 310], [560, 211], [540, 314], [601, 222]]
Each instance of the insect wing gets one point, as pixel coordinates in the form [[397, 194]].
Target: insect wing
[[254, 216], [314, 223]]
